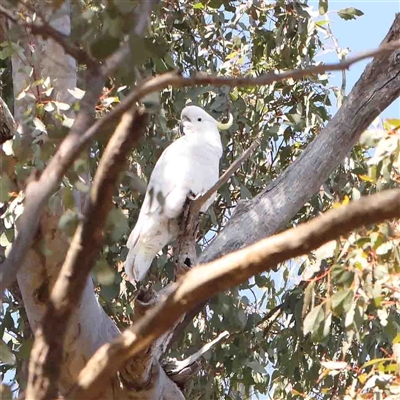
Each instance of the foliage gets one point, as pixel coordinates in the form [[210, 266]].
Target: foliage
[[338, 332]]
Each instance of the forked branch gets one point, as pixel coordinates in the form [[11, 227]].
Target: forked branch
[[46, 356]]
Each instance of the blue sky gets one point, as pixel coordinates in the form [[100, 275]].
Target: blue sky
[[361, 34]]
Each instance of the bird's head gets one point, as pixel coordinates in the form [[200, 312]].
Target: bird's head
[[194, 119]]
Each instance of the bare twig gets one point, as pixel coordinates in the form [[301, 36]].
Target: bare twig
[[181, 371], [226, 175], [38, 192], [46, 356], [176, 80], [205, 281]]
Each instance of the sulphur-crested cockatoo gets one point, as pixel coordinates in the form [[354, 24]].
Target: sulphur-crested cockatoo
[[188, 166]]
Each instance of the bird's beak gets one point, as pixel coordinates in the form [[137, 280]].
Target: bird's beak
[[225, 126]]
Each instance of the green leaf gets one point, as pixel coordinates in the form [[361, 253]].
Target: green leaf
[[119, 224], [25, 350], [6, 355], [342, 300], [384, 248], [5, 187], [350, 13], [198, 6], [104, 46], [256, 366], [242, 317], [68, 222], [323, 7], [105, 275], [313, 319]]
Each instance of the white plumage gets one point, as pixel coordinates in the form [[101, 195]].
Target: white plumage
[[188, 165]]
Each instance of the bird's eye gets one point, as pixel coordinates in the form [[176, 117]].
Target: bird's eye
[[199, 119]]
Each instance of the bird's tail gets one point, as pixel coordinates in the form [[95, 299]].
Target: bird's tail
[[138, 262]]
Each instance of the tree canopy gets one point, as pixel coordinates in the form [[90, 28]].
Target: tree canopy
[[324, 324]]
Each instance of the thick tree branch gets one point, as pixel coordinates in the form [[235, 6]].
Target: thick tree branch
[[46, 356], [204, 281], [273, 208], [39, 191]]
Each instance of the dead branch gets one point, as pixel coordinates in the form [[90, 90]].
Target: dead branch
[[181, 371], [205, 281], [46, 356]]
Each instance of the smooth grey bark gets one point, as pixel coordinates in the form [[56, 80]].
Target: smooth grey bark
[[278, 203]]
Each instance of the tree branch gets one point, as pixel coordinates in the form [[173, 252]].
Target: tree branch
[[275, 206], [176, 80], [7, 123], [181, 371], [205, 281], [46, 356], [46, 30], [39, 190]]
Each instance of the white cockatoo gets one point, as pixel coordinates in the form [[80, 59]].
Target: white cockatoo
[[188, 166]]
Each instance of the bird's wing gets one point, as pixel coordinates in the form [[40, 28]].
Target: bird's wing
[[181, 169]]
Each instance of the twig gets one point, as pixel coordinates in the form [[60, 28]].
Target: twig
[[176, 80], [81, 134], [46, 30], [46, 356], [198, 202], [206, 280]]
